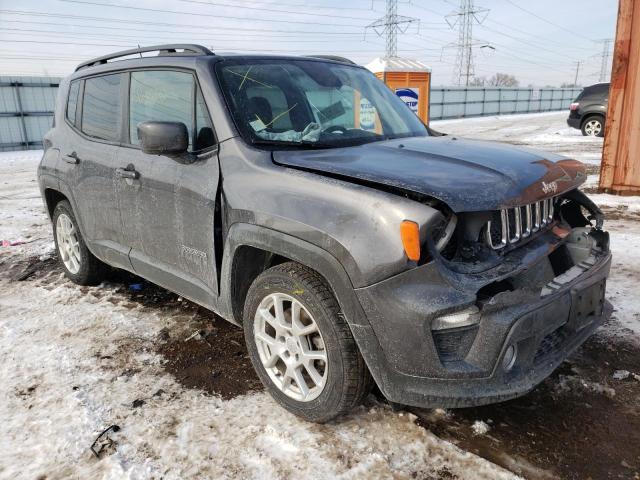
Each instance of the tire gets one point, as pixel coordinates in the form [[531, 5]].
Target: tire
[[593, 126], [78, 263], [346, 379]]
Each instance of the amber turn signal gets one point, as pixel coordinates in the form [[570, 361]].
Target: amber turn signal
[[410, 235]]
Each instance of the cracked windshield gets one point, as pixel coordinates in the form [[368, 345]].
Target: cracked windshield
[[313, 103]]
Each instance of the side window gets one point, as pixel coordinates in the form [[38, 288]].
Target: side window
[[72, 101], [101, 107], [161, 96], [204, 137]]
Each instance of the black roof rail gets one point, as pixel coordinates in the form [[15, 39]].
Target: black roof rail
[[335, 58], [163, 50]]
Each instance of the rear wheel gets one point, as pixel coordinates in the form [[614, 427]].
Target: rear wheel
[[300, 345], [77, 261], [593, 126]]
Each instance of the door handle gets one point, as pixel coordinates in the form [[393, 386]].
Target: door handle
[[128, 172], [72, 158]]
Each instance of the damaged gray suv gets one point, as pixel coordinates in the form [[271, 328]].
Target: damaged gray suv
[[299, 198]]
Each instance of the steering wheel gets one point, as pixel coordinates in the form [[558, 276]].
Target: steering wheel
[[334, 129]]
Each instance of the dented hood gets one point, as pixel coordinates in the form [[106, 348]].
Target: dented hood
[[467, 175]]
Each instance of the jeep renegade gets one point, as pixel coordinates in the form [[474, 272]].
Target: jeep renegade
[[299, 198]]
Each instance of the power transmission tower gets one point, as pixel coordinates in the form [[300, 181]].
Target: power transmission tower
[[390, 25], [575, 81], [604, 66], [465, 17]]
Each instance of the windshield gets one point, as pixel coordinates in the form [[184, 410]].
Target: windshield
[[313, 104]]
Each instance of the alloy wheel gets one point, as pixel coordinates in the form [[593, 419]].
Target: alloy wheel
[[593, 128], [290, 347], [68, 243]]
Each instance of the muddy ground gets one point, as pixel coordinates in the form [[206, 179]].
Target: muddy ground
[[581, 423]]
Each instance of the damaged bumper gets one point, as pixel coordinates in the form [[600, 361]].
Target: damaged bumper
[[516, 338]]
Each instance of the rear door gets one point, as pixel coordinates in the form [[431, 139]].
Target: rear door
[[168, 211], [94, 115]]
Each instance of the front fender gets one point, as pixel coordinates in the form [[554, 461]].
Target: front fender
[[356, 224], [312, 256]]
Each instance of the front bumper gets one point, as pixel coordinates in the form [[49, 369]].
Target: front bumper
[[411, 369]]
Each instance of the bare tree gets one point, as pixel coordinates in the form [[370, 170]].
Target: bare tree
[[503, 80], [478, 82]]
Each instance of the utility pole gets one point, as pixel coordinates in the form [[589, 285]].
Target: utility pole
[[575, 81], [465, 17], [390, 25], [604, 65]]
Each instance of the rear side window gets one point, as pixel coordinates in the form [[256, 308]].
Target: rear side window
[[169, 96], [102, 107], [72, 101]]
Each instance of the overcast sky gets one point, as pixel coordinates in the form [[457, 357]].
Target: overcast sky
[[537, 41]]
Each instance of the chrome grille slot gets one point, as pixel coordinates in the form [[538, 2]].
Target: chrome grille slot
[[510, 225]]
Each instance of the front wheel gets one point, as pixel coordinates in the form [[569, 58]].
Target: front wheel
[[300, 345], [593, 126]]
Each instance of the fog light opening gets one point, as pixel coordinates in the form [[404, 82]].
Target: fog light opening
[[509, 358], [461, 318]]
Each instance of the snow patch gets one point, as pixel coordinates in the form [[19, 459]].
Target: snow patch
[[480, 428]]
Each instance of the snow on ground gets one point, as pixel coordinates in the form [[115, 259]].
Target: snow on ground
[[545, 131], [74, 359], [81, 362]]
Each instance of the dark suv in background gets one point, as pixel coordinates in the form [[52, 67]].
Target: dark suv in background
[[301, 199], [588, 112]]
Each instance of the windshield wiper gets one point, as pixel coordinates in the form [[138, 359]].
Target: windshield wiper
[[284, 143]]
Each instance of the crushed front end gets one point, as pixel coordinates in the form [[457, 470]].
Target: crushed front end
[[497, 307]]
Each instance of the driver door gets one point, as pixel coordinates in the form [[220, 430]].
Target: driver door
[[168, 203]]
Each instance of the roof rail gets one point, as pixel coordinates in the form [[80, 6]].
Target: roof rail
[[163, 50], [335, 58]]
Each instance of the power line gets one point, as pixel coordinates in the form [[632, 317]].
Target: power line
[[536, 46], [466, 15], [273, 33], [165, 24], [390, 25], [161, 37], [264, 9], [562, 27], [202, 14]]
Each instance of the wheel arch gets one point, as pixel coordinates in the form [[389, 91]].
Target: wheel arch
[[588, 115], [52, 197], [251, 249], [269, 247]]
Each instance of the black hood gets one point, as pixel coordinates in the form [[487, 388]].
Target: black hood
[[467, 175]]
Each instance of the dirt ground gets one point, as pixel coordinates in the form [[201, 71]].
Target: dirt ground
[[581, 423]]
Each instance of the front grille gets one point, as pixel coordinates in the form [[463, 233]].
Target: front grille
[[511, 225]]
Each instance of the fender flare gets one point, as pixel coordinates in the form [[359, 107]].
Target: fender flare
[[314, 257]]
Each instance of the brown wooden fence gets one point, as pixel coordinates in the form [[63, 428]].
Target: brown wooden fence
[[620, 172]]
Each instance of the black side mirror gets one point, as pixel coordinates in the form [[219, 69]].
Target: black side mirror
[[169, 138]]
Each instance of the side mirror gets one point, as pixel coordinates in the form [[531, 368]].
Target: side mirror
[[169, 138]]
